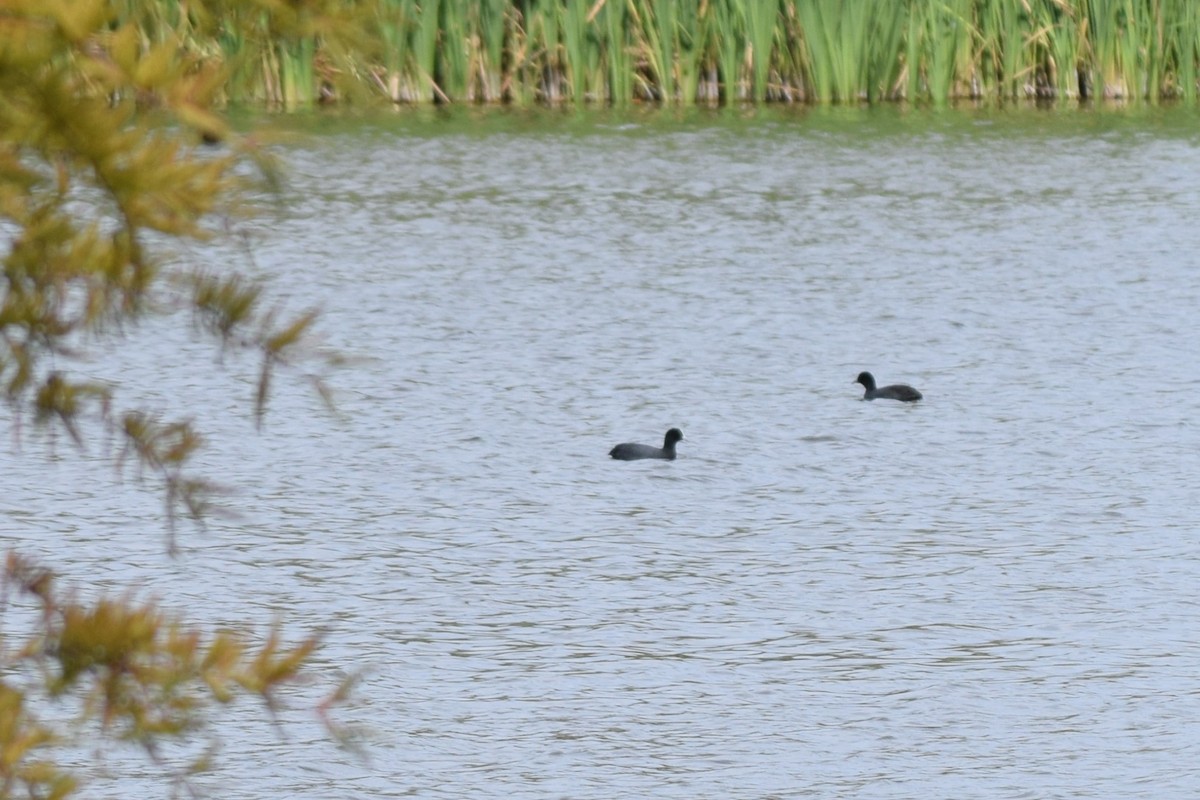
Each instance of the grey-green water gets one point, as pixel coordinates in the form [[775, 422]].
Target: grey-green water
[[989, 594]]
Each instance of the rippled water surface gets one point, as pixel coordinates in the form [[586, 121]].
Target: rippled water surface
[[991, 593]]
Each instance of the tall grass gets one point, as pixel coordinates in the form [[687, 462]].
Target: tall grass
[[490, 19], [582, 59], [689, 54], [851, 48], [941, 59], [762, 21], [1003, 54], [617, 52], [1062, 52], [1110, 47], [727, 33], [1185, 45], [687, 51], [660, 30]]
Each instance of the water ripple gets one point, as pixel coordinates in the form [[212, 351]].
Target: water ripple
[[990, 594]]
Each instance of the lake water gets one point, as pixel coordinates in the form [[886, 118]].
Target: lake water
[[988, 594]]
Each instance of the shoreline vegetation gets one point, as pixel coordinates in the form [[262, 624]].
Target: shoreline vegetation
[[677, 52]]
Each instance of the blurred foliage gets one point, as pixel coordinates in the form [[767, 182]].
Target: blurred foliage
[[102, 150], [105, 161], [136, 673]]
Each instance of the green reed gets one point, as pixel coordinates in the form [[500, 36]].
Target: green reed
[[1105, 34], [836, 38], [1003, 55], [940, 38], [394, 51], [762, 21], [617, 52], [425, 49], [297, 72], [689, 53], [659, 30], [686, 51], [581, 56], [536, 71], [1169, 39], [491, 23], [1059, 51], [454, 59], [884, 66], [1186, 46], [406, 33], [727, 33], [852, 48]]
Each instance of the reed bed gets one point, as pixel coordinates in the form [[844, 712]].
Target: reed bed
[[686, 52]]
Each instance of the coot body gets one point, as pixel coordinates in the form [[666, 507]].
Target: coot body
[[897, 391], [630, 451]]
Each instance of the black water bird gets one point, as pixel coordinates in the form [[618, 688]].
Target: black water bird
[[629, 451], [897, 391]]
